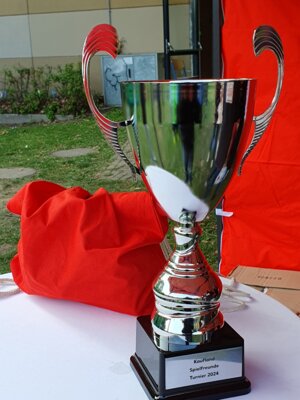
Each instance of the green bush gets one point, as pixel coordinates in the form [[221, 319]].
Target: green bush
[[44, 90], [68, 83]]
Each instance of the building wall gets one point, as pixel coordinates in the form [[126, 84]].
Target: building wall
[[43, 32]]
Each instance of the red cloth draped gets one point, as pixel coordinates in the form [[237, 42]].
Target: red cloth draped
[[265, 228], [101, 249]]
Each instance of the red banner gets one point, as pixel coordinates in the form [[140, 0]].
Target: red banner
[[264, 230]]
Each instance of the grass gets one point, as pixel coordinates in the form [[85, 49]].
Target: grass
[[32, 146]]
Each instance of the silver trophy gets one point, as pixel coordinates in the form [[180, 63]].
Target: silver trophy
[[186, 138]]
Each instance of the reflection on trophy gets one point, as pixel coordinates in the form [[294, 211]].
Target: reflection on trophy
[[187, 139]]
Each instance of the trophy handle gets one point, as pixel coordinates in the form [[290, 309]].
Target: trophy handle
[[103, 37], [266, 38]]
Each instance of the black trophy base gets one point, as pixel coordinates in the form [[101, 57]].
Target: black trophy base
[[210, 371]]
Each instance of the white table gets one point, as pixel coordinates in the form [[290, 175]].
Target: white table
[[59, 350]]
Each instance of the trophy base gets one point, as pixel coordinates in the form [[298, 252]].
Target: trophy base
[[210, 371]]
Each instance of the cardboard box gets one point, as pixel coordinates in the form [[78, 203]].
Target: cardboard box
[[282, 285]]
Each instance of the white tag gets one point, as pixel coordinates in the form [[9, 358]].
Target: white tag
[[194, 369], [223, 213]]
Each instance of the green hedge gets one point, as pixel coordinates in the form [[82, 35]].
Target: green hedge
[[44, 90]]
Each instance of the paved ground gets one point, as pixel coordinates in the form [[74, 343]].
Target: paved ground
[[81, 151], [117, 169], [14, 173], [17, 119]]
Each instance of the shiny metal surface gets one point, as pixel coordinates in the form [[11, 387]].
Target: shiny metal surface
[[266, 38], [103, 37], [186, 293], [186, 139]]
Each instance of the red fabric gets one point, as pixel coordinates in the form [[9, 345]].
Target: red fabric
[[101, 249], [265, 228]]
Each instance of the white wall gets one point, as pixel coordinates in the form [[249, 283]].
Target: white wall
[[15, 37], [62, 34]]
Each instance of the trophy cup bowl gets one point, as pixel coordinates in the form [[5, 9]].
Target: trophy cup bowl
[[187, 138]]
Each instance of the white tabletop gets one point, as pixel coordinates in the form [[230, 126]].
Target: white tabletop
[[52, 349]]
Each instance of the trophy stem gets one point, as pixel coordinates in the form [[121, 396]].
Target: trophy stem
[[186, 293]]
